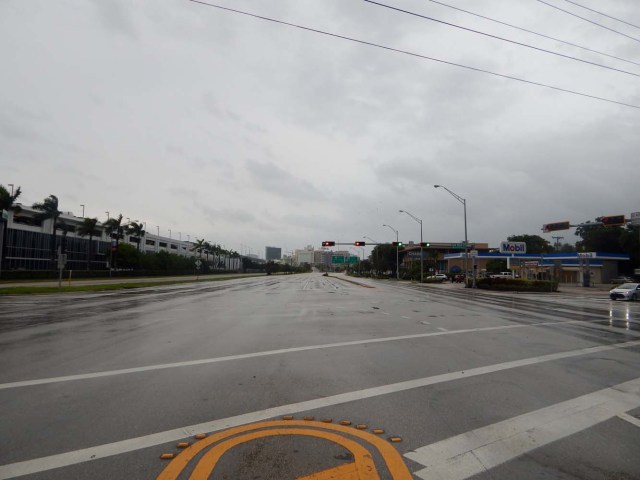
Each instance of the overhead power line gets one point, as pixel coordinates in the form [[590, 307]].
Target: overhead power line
[[587, 20], [569, 57], [534, 33], [417, 55], [603, 14]]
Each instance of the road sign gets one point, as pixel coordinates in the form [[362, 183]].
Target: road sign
[[587, 254], [635, 218], [613, 220], [457, 245], [353, 260], [337, 259], [62, 260], [473, 253], [552, 227], [198, 263]]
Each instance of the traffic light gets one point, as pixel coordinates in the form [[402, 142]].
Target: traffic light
[[552, 227], [613, 221], [328, 244], [425, 244], [397, 244], [360, 244]]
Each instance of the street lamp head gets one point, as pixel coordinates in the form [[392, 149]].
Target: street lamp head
[[436, 186], [401, 211]]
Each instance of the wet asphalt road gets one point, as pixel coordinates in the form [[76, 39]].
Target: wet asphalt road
[[476, 385]]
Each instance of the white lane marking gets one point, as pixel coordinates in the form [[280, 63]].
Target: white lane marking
[[101, 451], [629, 418], [479, 450], [442, 329], [408, 318], [385, 313], [204, 361]]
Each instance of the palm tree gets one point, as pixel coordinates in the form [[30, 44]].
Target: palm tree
[[198, 246], [208, 249], [88, 227], [114, 228], [48, 209], [218, 251], [65, 228], [135, 229], [7, 202]]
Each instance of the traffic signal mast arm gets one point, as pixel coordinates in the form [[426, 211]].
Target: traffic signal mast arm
[[607, 221]]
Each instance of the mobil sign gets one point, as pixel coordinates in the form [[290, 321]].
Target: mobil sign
[[513, 247]]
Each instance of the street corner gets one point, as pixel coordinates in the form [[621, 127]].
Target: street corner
[[304, 448]]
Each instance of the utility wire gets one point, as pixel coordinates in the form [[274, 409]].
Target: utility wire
[[603, 14], [502, 38], [590, 21], [534, 33], [412, 54]]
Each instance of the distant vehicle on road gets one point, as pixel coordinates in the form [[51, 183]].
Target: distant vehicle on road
[[502, 275], [626, 291], [620, 280], [440, 277]]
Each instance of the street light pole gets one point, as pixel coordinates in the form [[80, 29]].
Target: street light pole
[[421, 259], [397, 250], [82, 210], [463, 201]]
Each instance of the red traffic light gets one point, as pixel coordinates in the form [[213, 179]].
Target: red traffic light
[[613, 220], [328, 244], [360, 244]]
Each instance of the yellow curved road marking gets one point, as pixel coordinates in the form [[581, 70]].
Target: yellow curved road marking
[[363, 462], [343, 472], [390, 455]]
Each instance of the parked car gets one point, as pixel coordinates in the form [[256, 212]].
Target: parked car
[[620, 280], [626, 291], [502, 275], [440, 277]]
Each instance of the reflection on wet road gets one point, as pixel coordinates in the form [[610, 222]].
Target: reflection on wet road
[[100, 385]]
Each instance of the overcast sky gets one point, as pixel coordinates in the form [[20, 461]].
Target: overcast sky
[[249, 133]]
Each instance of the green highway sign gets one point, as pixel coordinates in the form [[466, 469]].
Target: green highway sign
[[457, 245], [340, 259]]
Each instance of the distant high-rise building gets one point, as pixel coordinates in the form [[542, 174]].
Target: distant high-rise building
[[273, 253]]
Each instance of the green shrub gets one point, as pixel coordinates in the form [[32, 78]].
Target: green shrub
[[517, 285]]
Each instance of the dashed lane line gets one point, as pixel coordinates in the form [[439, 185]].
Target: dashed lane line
[[204, 361], [37, 465]]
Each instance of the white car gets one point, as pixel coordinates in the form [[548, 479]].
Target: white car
[[626, 291], [441, 277]]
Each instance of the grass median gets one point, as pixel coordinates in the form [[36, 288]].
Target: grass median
[[125, 285]]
